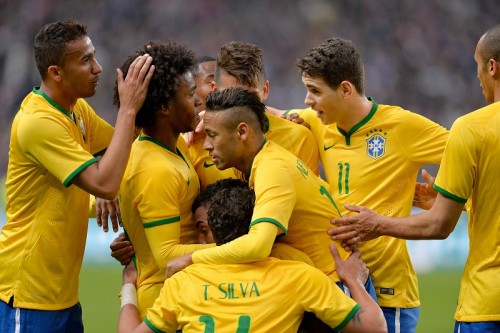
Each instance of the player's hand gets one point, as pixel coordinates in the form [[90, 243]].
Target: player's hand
[[295, 118], [352, 230], [129, 274], [132, 89], [425, 194], [107, 208], [122, 250], [353, 268], [178, 264]]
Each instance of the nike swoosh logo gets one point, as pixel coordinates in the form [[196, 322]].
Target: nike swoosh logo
[[207, 165], [325, 148]]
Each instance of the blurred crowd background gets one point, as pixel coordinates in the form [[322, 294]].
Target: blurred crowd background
[[417, 54]]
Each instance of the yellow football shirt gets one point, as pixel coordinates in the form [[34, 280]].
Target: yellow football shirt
[[290, 196], [376, 165], [155, 197], [264, 296], [43, 241], [470, 170]]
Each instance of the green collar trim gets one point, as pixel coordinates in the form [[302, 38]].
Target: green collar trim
[[360, 124], [36, 90], [161, 144]]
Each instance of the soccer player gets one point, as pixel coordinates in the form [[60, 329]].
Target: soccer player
[[293, 205], [371, 154], [469, 171], [50, 174], [160, 182], [242, 64], [203, 72], [268, 295]]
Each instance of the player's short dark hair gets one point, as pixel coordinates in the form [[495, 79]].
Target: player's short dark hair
[[230, 213], [490, 46], [171, 61], [242, 60], [201, 60], [51, 42], [204, 197], [245, 105], [335, 60]]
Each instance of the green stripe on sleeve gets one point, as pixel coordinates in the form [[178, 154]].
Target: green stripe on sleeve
[[269, 220], [161, 222], [449, 195], [68, 180], [347, 318], [151, 326]]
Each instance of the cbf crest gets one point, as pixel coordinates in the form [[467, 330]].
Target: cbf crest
[[375, 144]]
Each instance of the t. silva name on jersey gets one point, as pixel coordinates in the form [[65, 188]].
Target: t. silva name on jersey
[[230, 290]]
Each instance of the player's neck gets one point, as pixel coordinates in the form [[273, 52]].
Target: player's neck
[[60, 97], [357, 110]]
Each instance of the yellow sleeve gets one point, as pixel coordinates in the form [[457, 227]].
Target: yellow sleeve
[[256, 245], [162, 317], [164, 241], [309, 153]]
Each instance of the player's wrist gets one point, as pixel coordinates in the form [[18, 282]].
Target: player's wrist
[[129, 295]]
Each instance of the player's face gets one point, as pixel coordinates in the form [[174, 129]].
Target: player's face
[[204, 78], [184, 105], [80, 70], [222, 144], [323, 99], [200, 218], [483, 75]]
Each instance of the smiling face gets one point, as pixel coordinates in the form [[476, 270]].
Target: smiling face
[[327, 102], [223, 144], [79, 73]]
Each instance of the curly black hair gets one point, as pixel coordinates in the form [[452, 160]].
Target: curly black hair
[[230, 213], [171, 62], [335, 60], [50, 43], [204, 197]]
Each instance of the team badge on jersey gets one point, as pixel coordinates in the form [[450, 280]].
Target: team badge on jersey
[[375, 145]]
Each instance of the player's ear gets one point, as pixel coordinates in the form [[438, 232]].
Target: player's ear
[[347, 88], [54, 72], [243, 129]]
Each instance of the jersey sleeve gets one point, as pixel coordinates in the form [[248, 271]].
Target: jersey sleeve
[[458, 168], [308, 152], [275, 195], [159, 209], [256, 245], [427, 139], [48, 142], [321, 296], [162, 316]]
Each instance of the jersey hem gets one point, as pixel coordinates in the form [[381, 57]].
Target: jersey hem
[[67, 181]]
